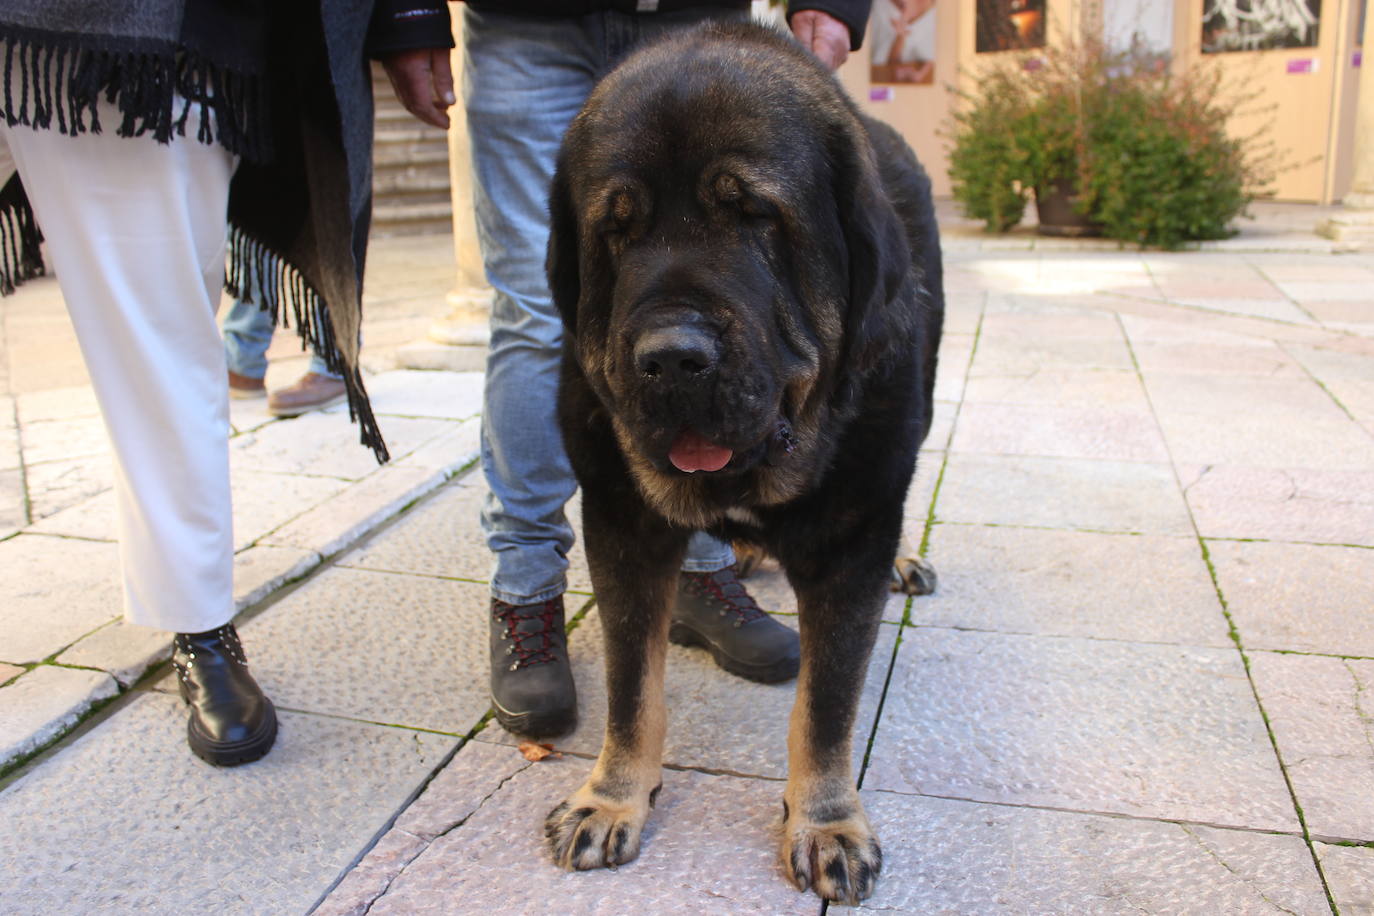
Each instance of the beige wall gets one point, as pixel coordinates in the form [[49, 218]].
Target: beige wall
[[1310, 116]]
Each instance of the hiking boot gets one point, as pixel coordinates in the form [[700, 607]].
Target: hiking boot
[[715, 611], [231, 722], [311, 391], [532, 686]]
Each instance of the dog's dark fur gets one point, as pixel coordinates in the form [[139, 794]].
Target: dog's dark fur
[[737, 252]]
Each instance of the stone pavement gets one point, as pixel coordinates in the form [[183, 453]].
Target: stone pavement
[[1144, 684]]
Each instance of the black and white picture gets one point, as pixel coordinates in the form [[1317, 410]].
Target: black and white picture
[[1257, 25]]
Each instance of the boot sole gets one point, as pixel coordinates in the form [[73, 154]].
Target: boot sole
[[230, 754], [536, 725], [679, 634]]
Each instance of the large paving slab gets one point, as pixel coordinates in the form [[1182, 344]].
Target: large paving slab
[[1087, 725], [1350, 875], [1323, 721], [42, 613], [709, 847], [1058, 432], [1282, 504], [125, 819], [125, 650], [716, 721], [443, 538], [1062, 493], [1249, 421], [476, 772], [942, 856], [325, 444], [451, 395], [42, 704], [380, 647], [1298, 597], [262, 502], [1027, 580]]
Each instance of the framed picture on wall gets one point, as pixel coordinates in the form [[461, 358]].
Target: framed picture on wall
[[1009, 25], [902, 41], [1258, 25]]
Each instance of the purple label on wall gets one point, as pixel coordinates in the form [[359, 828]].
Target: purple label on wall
[[1303, 65], [880, 94], [1357, 58]]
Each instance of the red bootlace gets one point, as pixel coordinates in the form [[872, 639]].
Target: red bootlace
[[726, 588], [525, 656]]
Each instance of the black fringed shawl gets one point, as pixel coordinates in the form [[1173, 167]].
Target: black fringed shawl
[[289, 89]]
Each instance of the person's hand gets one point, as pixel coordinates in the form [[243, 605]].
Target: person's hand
[[423, 81], [823, 35]]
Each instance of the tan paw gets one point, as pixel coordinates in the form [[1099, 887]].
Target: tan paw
[[839, 860], [913, 576], [589, 830]]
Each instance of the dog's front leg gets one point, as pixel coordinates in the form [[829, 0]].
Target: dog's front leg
[[634, 574], [827, 842]]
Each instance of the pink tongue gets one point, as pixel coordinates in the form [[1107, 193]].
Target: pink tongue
[[693, 452]]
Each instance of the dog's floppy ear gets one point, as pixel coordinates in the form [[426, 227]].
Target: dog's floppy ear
[[561, 263], [879, 254]]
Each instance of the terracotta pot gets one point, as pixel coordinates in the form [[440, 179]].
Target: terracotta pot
[[1055, 207]]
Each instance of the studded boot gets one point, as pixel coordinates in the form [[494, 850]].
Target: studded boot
[[231, 722], [716, 612], [532, 686]]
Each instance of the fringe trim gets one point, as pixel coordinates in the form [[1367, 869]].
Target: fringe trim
[[55, 80], [280, 285], [20, 256]]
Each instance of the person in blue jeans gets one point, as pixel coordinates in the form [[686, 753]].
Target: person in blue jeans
[[529, 66], [247, 330]]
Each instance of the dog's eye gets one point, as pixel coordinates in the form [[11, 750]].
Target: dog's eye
[[727, 188]]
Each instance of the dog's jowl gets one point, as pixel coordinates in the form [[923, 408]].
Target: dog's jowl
[[749, 274]]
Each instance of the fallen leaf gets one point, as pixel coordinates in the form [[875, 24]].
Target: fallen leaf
[[537, 752]]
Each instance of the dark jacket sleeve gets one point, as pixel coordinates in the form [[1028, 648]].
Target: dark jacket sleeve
[[408, 25], [853, 13]]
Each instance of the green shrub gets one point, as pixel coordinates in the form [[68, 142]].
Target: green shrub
[[1146, 149]]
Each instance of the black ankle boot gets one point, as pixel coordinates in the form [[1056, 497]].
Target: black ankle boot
[[231, 722], [532, 686], [716, 612]]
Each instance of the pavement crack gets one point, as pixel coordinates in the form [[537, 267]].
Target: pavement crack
[[1364, 715], [1246, 882]]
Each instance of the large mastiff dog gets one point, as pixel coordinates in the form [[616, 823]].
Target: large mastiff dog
[[749, 274]]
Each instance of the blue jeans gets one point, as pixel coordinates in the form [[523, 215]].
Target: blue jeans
[[524, 79], [247, 335]]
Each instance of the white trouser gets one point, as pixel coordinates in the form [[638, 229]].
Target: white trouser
[[136, 232]]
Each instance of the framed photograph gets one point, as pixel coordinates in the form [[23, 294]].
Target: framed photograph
[[1009, 25], [902, 37], [1258, 25]]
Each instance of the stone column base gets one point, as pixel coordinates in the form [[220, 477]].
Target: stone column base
[[457, 341], [1350, 226]]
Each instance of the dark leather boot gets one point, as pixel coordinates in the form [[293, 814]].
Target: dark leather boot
[[231, 722], [532, 686], [715, 611]]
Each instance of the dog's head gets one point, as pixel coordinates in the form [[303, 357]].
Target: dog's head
[[725, 262]]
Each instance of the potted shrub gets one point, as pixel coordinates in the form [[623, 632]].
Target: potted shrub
[[1116, 143]]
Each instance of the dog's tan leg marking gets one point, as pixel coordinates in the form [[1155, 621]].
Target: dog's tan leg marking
[[827, 843], [600, 824]]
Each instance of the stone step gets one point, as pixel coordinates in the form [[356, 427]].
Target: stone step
[[407, 154], [410, 180]]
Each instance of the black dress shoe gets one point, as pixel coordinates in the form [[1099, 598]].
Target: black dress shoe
[[716, 612], [231, 722], [532, 686]]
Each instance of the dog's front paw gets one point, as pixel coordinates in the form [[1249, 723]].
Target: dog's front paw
[[838, 859], [913, 576], [590, 830]]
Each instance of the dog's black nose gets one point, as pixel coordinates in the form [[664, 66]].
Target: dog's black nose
[[676, 354]]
